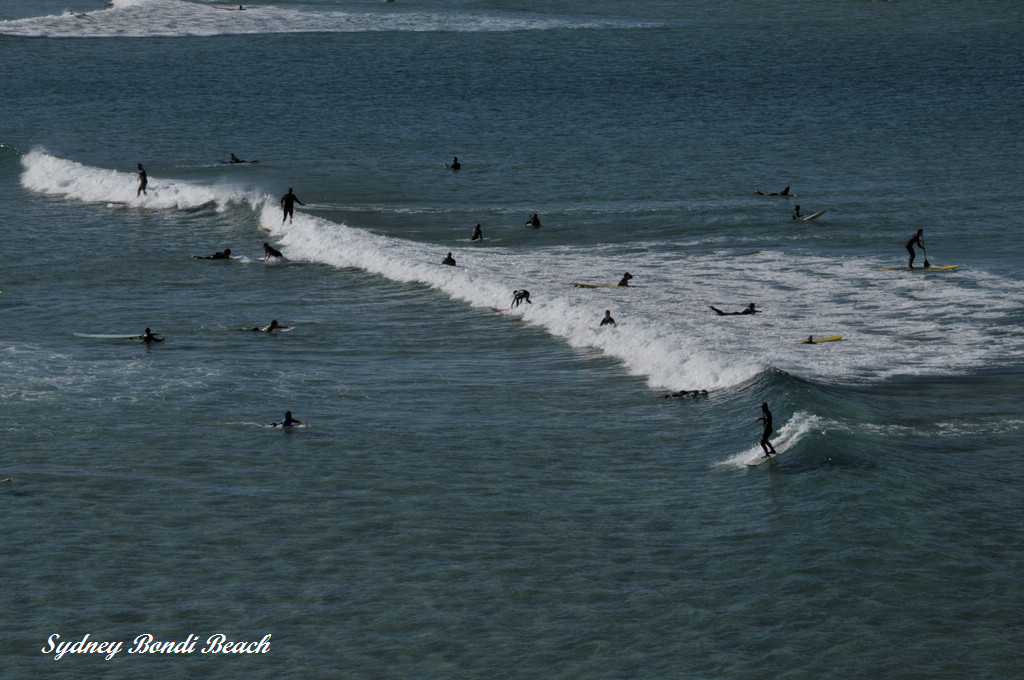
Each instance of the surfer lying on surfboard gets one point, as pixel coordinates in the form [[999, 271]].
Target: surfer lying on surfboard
[[784, 192], [235, 159], [749, 310], [222, 255], [273, 326], [683, 394]]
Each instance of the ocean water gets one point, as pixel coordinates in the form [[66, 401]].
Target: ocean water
[[492, 492]]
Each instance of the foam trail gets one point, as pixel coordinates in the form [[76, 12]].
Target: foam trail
[[784, 439]]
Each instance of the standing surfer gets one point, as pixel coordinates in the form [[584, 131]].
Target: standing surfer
[[767, 431], [288, 201], [143, 181], [915, 240]]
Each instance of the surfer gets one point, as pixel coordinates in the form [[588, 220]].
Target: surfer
[[784, 192], [625, 280], [809, 340], [274, 325], [288, 201], [683, 394], [767, 431], [143, 181], [796, 213], [149, 337], [223, 255], [449, 260], [749, 310], [607, 320], [478, 233], [455, 163], [288, 421], [534, 221], [269, 251], [915, 240], [520, 296]]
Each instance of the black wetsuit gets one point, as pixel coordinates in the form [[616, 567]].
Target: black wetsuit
[[288, 201], [915, 240]]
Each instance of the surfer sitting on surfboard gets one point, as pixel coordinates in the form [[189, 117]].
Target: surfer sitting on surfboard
[[767, 432], [519, 296], [625, 279], [534, 221], [915, 240], [288, 421], [749, 310], [148, 337]]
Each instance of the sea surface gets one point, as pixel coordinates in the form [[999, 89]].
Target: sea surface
[[488, 491]]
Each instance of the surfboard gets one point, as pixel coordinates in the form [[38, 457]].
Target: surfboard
[[944, 268], [595, 285], [815, 215], [110, 336], [761, 458], [827, 338], [262, 228]]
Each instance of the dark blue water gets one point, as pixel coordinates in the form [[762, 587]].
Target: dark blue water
[[508, 494]]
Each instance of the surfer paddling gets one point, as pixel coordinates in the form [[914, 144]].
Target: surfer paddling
[[766, 416], [916, 240], [784, 192], [222, 255], [749, 310]]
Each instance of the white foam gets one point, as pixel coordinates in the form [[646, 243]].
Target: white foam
[[784, 439], [892, 322], [47, 174], [177, 18]]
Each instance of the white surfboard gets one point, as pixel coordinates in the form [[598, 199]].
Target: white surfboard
[[815, 215]]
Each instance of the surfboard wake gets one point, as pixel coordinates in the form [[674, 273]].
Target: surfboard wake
[[785, 438]]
